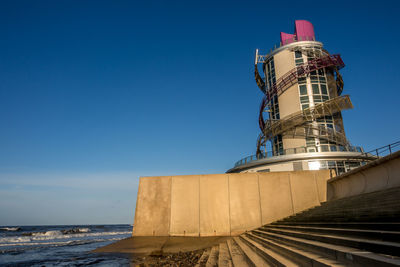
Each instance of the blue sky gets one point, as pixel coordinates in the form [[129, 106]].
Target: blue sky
[[94, 94]]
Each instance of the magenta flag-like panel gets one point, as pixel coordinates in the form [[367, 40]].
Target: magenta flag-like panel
[[304, 31]]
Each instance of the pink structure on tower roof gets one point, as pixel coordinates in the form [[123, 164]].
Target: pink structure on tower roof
[[304, 31]]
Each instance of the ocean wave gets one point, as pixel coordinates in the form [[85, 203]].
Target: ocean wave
[[20, 247], [10, 229], [51, 235], [76, 231], [59, 232]]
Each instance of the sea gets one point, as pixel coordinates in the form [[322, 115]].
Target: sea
[[66, 245]]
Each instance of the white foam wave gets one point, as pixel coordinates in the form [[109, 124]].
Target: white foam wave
[[60, 243], [48, 233], [51, 235], [10, 229]]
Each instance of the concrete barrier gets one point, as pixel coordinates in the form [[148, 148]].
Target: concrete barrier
[[153, 207], [223, 204], [214, 207], [378, 175]]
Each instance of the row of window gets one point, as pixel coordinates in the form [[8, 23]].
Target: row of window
[[338, 166], [270, 72], [270, 76], [277, 145], [317, 93]]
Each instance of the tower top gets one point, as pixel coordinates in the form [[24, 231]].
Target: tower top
[[303, 31]]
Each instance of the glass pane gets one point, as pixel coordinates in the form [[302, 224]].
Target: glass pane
[[323, 141], [303, 90], [323, 89], [302, 80], [310, 141], [298, 54], [332, 164], [324, 148], [317, 99], [315, 89], [304, 99]]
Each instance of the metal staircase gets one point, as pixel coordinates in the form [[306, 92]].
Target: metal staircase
[[289, 124], [299, 124]]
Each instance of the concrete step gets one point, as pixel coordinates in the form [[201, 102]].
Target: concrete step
[[297, 256], [376, 196], [339, 253], [252, 256], [224, 258], [355, 210], [382, 203], [349, 206], [393, 236], [365, 218], [360, 201], [237, 255], [267, 254], [390, 215], [382, 194], [380, 226], [213, 257], [203, 259], [371, 207], [384, 247]]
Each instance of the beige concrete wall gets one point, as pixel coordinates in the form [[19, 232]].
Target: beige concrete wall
[[290, 142], [214, 205], [245, 210], [378, 175], [276, 196], [223, 204], [278, 167], [284, 62], [289, 101], [304, 194], [185, 205], [153, 207]]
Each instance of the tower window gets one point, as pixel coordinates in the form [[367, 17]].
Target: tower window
[[315, 89], [303, 90]]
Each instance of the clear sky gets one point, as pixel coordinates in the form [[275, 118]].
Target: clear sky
[[94, 94]]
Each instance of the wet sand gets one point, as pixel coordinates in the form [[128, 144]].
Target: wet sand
[[149, 245], [162, 251]]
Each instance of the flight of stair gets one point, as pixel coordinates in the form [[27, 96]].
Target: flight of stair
[[363, 230]]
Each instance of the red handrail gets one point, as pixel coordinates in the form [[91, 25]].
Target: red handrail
[[291, 77]]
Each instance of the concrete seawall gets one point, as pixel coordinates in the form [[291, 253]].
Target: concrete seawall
[[223, 204], [378, 175]]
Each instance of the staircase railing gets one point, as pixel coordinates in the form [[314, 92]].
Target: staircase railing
[[385, 150]]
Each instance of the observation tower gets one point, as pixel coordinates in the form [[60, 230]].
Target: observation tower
[[300, 114]]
